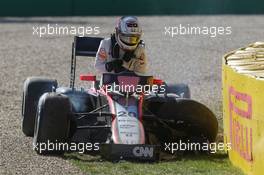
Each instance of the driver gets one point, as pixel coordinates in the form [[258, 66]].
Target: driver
[[123, 50]]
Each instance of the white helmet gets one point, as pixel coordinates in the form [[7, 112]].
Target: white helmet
[[128, 32]]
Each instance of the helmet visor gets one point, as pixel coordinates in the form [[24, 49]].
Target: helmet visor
[[130, 40]]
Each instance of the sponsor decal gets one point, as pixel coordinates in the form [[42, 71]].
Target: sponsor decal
[[240, 134], [102, 54], [143, 151]]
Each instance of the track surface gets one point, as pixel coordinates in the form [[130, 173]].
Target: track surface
[[191, 59]]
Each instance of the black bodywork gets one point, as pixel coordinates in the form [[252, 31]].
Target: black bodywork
[[166, 117]]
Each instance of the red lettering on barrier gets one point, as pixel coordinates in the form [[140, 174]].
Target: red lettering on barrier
[[241, 97], [240, 135]]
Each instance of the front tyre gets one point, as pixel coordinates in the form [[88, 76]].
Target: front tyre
[[182, 90], [33, 88], [53, 124]]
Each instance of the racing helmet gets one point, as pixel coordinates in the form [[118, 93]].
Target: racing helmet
[[128, 32]]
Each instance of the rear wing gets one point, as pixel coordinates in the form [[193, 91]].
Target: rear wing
[[82, 46]]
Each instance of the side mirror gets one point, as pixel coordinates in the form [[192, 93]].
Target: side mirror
[[87, 77]]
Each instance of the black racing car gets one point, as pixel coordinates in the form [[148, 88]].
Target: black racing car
[[118, 123]]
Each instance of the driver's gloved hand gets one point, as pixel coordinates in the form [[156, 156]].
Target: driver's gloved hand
[[115, 66], [128, 56]]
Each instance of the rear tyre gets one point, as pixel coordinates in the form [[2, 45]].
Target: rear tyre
[[182, 90], [53, 124], [34, 87]]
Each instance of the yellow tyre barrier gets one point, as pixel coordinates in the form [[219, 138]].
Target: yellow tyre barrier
[[243, 107]]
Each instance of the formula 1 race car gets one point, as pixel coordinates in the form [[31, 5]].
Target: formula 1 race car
[[122, 116]]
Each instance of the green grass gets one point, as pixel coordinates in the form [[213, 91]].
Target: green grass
[[203, 164], [190, 164]]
